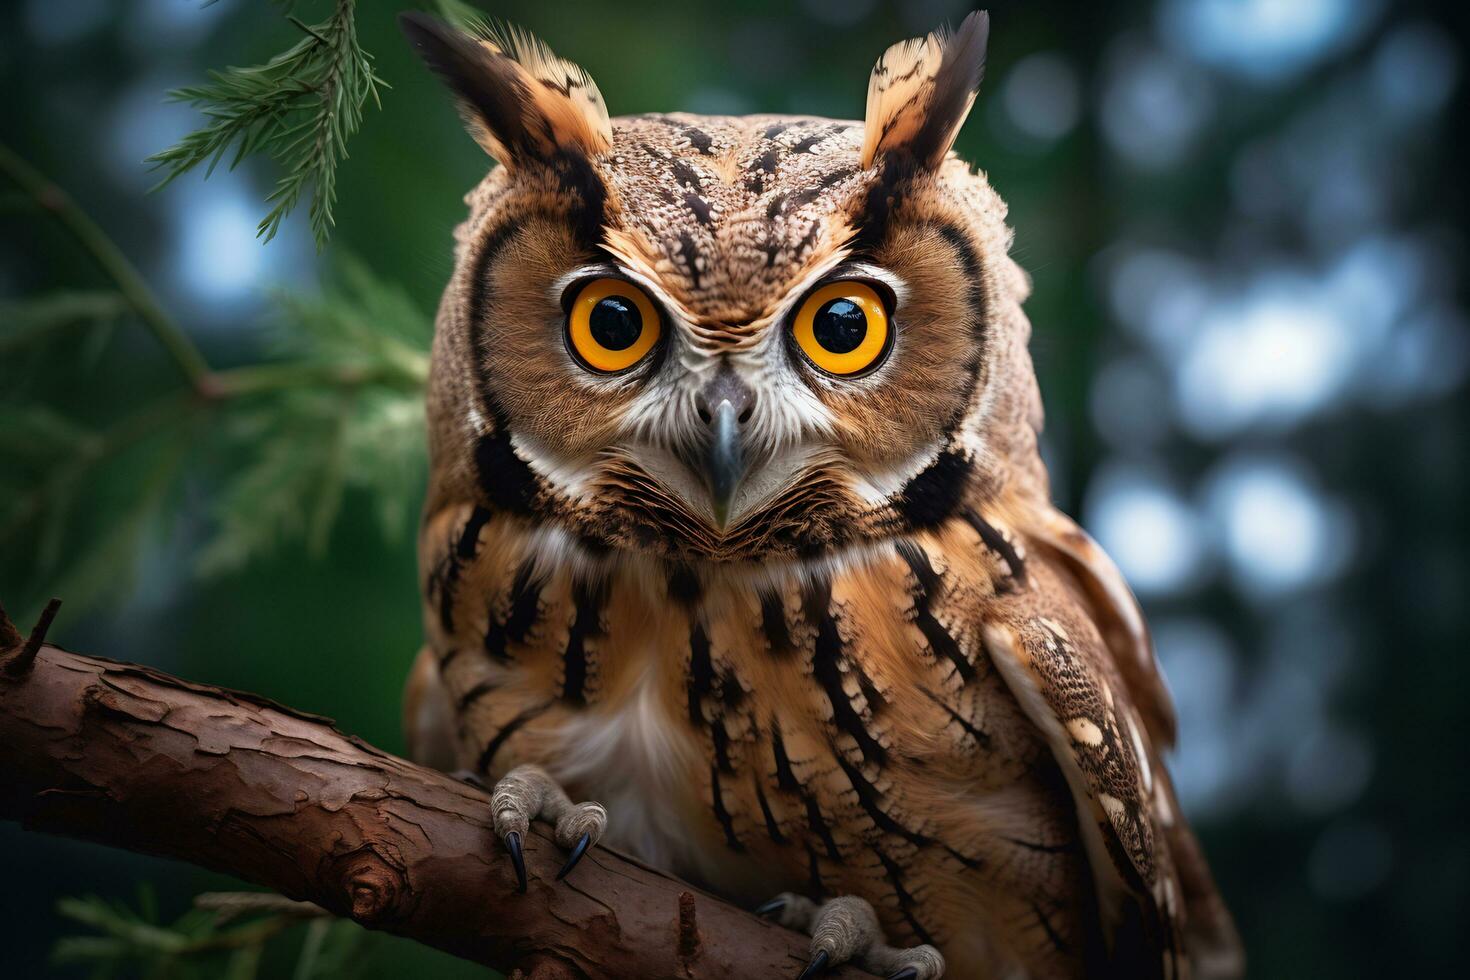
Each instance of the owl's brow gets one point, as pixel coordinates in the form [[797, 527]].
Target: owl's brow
[[561, 287]]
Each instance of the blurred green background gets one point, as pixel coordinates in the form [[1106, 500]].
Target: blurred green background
[[1244, 219]]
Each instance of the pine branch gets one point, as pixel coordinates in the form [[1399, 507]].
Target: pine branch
[[28, 322], [130, 283], [340, 408], [202, 942], [299, 108]]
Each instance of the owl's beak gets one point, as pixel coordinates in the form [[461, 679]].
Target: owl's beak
[[724, 463], [724, 405]]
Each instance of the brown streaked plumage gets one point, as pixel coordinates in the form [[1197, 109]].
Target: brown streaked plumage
[[883, 666]]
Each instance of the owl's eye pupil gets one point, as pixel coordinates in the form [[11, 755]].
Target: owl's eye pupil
[[840, 326], [615, 323]]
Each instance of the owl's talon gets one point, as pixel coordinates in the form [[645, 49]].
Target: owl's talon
[[513, 844], [816, 967], [846, 930], [529, 793], [584, 842], [767, 910]]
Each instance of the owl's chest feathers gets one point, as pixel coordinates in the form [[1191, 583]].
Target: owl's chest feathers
[[717, 714]]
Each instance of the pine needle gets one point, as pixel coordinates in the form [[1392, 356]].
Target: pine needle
[[299, 108]]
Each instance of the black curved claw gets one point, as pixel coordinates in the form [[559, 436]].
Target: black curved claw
[[513, 844], [770, 908], [584, 842], [816, 967], [907, 973]]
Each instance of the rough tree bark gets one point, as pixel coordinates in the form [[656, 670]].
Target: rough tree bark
[[130, 756]]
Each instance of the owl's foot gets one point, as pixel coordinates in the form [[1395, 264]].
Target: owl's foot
[[528, 793], [846, 929]]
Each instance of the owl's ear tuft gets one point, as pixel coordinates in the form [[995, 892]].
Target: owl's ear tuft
[[518, 99], [921, 91]]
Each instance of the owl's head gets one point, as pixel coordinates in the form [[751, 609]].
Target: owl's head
[[727, 338]]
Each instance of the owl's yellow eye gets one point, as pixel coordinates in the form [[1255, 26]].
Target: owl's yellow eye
[[842, 328], [611, 325]]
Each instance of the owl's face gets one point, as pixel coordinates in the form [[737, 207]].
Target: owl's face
[[716, 337]]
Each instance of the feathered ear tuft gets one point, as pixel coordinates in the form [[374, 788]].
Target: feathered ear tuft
[[921, 91], [518, 99]]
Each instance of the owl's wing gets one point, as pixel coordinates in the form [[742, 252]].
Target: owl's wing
[[1113, 609], [1070, 643], [1053, 661]]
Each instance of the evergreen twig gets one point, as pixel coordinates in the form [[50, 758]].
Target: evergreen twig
[[130, 283], [299, 108]]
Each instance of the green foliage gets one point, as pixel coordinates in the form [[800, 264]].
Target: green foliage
[[463, 15], [338, 406], [28, 322], [129, 941], [299, 108], [308, 443]]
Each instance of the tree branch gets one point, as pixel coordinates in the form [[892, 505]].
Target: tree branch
[[130, 756], [104, 251]]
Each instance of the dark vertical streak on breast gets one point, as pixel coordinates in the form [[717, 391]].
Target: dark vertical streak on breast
[[787, 782], [871, 801], [815, 597], [815, 884], [773, 622], [525, 604], [723, 815], [772, 827], [524, 607], [722, 746], [487, 757], [588, 623], [684, 587], [826, 667], [464, 550], [818, 823], [701, 674], [905, 900], [785, 778], [941, 643], [997, 543]]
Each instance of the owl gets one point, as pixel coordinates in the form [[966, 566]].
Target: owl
[[736, 525]]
